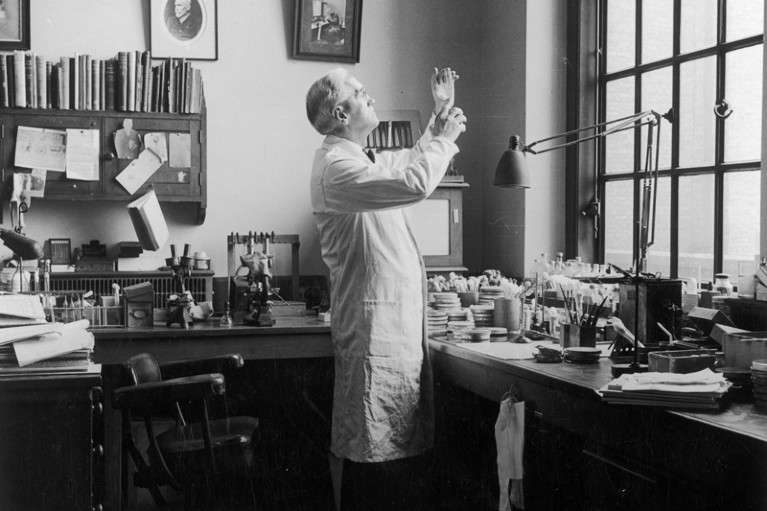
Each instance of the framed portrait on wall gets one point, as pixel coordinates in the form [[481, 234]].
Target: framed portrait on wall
[[14, 24], [184, 29], [328, 30]]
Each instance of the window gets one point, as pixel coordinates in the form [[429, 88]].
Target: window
[[700, 61]]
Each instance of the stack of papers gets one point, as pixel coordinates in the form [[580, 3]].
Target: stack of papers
[[17, 310], [46, 348], [703, 390]]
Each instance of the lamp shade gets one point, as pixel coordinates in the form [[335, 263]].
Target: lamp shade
[[511, 171]]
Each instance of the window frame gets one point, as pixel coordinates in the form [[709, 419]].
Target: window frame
[[587, 49]]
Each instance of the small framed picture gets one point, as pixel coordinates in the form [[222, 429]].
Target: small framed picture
[[328, 30], [184, 29], [14, 25]]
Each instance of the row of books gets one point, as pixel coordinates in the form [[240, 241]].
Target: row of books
[[129, 82]]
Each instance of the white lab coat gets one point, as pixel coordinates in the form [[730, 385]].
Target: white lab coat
[[383, 392]]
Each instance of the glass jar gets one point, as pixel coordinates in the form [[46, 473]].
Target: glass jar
[[722, 284]]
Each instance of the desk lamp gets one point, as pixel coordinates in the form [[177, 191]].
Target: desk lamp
[[512, 172], [23, 248]]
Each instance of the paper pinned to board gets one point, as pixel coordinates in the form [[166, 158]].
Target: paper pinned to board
[[139, 171], [180, 150], [158, 144], [40, 148], [82, 154]]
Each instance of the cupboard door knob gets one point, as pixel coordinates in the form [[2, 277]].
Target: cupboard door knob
[[110, 156], [98, 451], [74, 186]]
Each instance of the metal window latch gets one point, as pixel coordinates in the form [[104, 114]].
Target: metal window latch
[[722, 109]]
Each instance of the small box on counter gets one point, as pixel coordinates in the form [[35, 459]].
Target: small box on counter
[[139, 305], [680, 361], [742, 348]]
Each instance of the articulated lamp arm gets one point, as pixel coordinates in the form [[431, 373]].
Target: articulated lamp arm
[[512, 171]]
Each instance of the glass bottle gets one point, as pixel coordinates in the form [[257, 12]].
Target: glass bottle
[[722, 284], [226, 320]]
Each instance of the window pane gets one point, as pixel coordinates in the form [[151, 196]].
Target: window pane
[[619, 223], [619, 148], [743, 82], [744, 18], [656, 95], [657, 30], [698, 27], [741, 222], [621, 34], [696, 115], [659, 253], [696, 227]]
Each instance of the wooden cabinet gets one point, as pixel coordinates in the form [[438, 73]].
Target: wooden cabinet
[[173, 181], [52, 442]]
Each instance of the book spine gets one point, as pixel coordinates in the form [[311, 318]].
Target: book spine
[[103, 83], [10, 64], [3, 81], [29, 79], [131, 99], [96, 102], [147, 100], [109, 81], [42, 82], [88, 80], [49, 79], [139, 85], [74, 81], [122, 82], [20, 74], [64, 83], [171, 79]]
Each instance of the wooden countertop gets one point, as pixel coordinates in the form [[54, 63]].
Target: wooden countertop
[[289, 337], [282, 326], [583, 380]]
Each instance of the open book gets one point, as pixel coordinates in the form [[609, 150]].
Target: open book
[[148, 221]]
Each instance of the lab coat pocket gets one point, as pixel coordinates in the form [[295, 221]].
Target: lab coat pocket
[[384, 324]]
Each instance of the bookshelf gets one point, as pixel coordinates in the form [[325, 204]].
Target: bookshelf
[[165, 101], [437, 223]]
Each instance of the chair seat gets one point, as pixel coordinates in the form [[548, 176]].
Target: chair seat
[[224, 432]]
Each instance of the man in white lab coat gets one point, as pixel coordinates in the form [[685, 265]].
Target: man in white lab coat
[[383, 417]]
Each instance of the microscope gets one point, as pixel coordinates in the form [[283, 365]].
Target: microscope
[[258, 283], [179, 308]]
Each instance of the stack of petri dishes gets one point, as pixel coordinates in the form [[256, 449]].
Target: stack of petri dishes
[[488, 294], [482, 314], [436, 322], [759, 378]]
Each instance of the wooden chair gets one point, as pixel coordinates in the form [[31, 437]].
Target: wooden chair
[[206, 452]]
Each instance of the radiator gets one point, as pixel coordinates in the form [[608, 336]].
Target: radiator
[[200, 284]]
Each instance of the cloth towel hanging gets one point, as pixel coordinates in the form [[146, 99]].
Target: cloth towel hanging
[[510, 441]]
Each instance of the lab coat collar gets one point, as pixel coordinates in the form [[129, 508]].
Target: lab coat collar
[[334, 141]]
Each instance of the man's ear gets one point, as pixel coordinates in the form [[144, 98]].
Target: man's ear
[[340, 113]]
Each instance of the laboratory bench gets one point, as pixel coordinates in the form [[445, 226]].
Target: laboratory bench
[[288, 385], [582, 453]]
